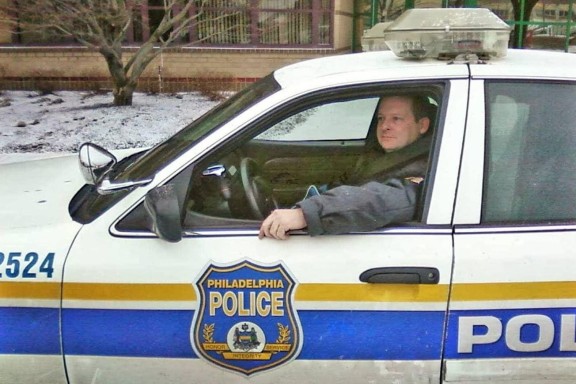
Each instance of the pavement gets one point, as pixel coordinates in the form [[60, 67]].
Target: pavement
[[6, 158]]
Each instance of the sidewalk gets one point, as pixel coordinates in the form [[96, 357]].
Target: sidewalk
[[6, 158]]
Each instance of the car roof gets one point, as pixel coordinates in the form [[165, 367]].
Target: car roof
[[529, 64], [386, 66], [362, 67]]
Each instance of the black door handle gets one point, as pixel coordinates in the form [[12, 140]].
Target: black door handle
[[401, 275]]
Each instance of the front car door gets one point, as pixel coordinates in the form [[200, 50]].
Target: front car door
[[512, 311], [222, 305]]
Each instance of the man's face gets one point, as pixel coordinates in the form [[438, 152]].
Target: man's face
[[397, 125]]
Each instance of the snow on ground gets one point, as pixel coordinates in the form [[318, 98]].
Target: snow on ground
[[43, 125]]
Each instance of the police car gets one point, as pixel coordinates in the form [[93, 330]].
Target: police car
[[150, 269]]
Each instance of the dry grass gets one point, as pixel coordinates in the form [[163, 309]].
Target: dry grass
[[213, 85]]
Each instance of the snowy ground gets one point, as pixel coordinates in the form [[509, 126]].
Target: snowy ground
[[34, 125]]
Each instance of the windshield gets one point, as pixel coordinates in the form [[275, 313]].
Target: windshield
[[88, 204], [157, 157]]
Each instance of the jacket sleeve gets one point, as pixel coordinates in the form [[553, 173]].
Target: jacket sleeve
[[360, 209]]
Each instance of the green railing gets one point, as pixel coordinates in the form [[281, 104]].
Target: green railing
[[558, 27]]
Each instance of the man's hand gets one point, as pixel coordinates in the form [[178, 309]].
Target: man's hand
[[280, 222]]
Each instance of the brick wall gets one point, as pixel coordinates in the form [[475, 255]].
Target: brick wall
[[179, 68]]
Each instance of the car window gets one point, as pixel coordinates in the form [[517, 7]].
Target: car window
[[346, 120], [318, 141], [531, 162], [161, 155]]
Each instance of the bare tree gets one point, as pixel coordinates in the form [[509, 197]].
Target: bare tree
[[101, 25], [389, 9]]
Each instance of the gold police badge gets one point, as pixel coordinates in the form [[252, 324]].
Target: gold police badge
[[245, 319]]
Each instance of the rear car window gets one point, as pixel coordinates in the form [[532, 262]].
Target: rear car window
[[531, 156]]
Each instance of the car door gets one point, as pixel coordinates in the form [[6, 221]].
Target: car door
[[222, 305], [512, 307]]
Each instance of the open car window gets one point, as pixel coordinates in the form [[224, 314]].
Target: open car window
[[320, 142]]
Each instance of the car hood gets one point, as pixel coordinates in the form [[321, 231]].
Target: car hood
[[37, 193]]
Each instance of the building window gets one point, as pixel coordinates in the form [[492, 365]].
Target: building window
[[252, 23], [223, 23]]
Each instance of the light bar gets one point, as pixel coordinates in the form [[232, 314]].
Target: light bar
[[444, 33]]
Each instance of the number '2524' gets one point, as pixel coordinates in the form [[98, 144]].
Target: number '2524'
[[26, 266]]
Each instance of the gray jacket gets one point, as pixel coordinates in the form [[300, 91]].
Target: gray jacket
[[393, 198]]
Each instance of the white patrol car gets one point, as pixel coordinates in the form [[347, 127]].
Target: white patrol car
[[152, 271]]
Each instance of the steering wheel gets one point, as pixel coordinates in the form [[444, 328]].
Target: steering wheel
[[258, 190]]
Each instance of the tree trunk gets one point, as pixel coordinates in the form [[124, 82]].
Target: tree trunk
[[123, 86], [123, 94]]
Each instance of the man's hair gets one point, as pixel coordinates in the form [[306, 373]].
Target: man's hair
[[421, 106]]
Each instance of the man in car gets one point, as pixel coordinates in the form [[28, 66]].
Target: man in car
[[383, 189]]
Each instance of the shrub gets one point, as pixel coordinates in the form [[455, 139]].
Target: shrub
[[44, 81], [213, 85]]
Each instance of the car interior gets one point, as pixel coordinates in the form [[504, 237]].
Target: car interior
[[271, 164], [274, 170]]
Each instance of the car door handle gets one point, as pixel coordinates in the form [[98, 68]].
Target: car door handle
[[401, 275]]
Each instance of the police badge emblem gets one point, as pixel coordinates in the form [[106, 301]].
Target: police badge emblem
[[246, 320]]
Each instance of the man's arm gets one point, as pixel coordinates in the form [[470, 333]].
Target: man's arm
[[347, 209], [361, 209]]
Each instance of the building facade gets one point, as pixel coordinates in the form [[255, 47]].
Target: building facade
[[261, 36], [229, 52]]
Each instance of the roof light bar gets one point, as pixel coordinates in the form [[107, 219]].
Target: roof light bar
[[445, 33]]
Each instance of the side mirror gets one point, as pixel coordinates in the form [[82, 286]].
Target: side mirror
[[95, 161], [162, 206]]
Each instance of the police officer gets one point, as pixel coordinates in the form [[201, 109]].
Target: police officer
[[392, 194]]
